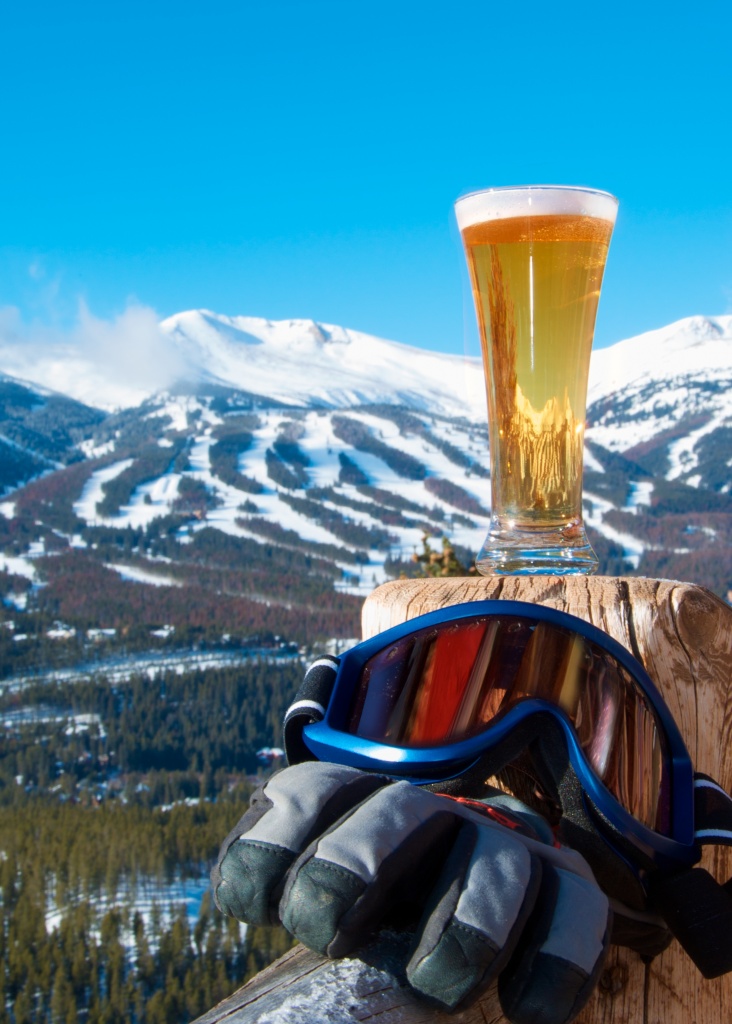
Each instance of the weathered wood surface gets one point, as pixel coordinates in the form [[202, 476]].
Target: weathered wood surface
[[683, 635]]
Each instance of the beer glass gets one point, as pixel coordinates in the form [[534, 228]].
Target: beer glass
[[536, 256]]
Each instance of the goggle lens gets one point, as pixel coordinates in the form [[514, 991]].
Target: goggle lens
[[446, 683]]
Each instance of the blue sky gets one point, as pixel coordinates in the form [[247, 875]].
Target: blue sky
[[300, 159]]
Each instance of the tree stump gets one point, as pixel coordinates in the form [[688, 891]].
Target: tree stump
[[683, 636]]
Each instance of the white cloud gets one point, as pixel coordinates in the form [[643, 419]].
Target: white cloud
[[131, 346], [109, 363]]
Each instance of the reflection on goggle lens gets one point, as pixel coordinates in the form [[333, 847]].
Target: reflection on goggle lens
[[446, 683]]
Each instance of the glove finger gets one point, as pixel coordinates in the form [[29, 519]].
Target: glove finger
[[348, 880], [556, 965], [293, 807], [475, 915]]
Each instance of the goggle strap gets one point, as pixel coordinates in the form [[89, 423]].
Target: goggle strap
[[698, 910], [712, 812], [309, 705]]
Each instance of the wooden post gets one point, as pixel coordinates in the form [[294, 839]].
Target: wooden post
[[683, 636]]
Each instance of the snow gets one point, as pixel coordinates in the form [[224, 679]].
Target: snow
[[640, 494], [147, 502], [18, 565], [199, 455], [61, 632], [591, 462], [695, 342], [164, 632], [321, 996], [178, 410], [95, 451], [118, 668], [138, 575], [660, 378], [77, 376], [31, 715], [681, 454], [21, 565], [144, 897], [83, 722], [594, 510], [7, 509], [336, 646], [325, 364], [41, 715], [86, 507]]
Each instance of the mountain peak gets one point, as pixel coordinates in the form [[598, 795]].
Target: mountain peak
[[304, 362], [696, 345]]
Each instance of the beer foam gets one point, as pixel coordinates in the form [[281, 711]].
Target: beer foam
[[533, 200]]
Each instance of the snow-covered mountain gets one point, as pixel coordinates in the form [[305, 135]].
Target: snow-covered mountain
[[649, 386], [641, 390], [298, 362], [301, 362], [638, 387], [328, 445]]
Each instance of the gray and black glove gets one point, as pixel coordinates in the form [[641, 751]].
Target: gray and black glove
[[335, 854]]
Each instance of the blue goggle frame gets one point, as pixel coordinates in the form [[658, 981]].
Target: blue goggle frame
[[327, 741]]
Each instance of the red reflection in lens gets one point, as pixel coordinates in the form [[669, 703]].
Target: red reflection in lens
[[452, 657]]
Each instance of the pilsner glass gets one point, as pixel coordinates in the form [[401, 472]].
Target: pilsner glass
[[536, 256]]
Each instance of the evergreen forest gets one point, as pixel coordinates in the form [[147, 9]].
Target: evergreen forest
[[114, 799]]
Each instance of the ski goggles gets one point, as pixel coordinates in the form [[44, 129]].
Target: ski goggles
[[428, 698]]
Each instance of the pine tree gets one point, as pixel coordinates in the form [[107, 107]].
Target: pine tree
[[62, 998], [436, 564]]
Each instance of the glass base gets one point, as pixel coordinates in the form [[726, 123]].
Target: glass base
[[512, 550]]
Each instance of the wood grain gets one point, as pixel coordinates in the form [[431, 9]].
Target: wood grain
[[683, 636]]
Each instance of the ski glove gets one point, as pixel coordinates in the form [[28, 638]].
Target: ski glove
[[335, 854]]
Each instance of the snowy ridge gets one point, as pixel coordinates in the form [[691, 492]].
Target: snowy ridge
[[305, 363], [694, 345], [309, 364], [647, 386]]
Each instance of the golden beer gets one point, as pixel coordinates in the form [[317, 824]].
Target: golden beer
[[536, 258]]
